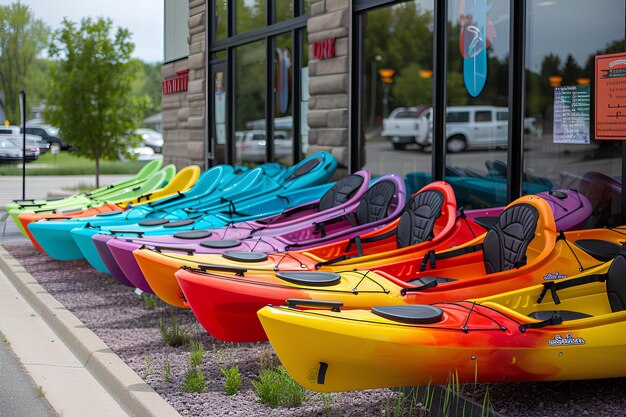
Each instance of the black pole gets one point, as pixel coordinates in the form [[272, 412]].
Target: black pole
[[440, 49], [517, 99], [23, 109]]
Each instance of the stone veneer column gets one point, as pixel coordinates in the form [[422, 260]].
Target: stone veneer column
[[329, 80], [184, 113]]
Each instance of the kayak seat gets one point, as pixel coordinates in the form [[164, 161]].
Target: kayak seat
[[245, 256], [428, 279], [342, 191], [602, 250], [418, 218], [565, 315], [317, 279], [506, 241], [375, 202], [304, 168], [179, 223], [154, 222], [192, 234], [220, 244], [411, 314]]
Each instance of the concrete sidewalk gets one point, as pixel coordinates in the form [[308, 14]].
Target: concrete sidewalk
[[78, 374]]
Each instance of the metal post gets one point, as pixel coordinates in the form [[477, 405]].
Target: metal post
[[517, 99], [440, 49], [23, 110]]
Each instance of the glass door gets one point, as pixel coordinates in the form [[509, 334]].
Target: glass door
[[217, 137]]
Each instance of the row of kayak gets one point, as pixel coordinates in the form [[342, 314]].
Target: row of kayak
[[368, 283]]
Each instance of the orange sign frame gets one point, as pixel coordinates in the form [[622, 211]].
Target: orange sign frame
[[610, 97]]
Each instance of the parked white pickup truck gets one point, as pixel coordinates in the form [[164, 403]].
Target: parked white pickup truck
[[13, 133], [403, 126]]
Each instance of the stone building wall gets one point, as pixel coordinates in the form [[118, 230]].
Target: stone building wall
[[184, 112], [329, 80]]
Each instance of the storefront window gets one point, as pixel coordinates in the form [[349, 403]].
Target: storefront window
[[283, 87], [250, 140], [219, 114], [563, 38], [284, 10], [304, 95], [397, 87], [221, 19], [477, 112], [250, 15]]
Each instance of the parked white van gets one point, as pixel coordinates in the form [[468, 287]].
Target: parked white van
[[469, 127]]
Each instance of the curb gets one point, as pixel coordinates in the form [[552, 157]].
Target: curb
[[110, 371]]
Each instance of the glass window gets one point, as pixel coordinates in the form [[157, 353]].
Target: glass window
[[397, 73], [502, 116], [283, 87], [219, 113], [284, 10], [554, 60], [478, 53], [250, 103], [221, 19], [250, 15], [304, 93], [176, 30]]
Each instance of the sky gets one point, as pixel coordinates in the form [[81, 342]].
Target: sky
[[144, 19]]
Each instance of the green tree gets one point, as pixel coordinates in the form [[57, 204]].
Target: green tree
[[22, 37], [89, 96], [147, 84]]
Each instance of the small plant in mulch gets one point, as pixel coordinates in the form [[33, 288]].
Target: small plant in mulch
[[267, 361], [277, 388], [401, 404], [149, 301], [148, 366], [233, 379], [167, 369], [174, 334], [194, 378]]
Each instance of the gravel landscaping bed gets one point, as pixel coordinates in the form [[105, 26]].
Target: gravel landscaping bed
[[123, 321], [120, 318]]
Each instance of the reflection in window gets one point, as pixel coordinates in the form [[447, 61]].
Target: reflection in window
[[283, 79], [221, 19], [284, 10], [554, 60], [250, 15], [219, 116], [250, 103], [397, 87], [477, 79]]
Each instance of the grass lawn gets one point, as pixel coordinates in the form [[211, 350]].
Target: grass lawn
[[66, 163]]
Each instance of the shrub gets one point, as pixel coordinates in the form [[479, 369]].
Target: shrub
[[266, 361], [233, 379], [173, 335], [196, 355], [167, 368], [277, 388], [194, 381], [149, 301]]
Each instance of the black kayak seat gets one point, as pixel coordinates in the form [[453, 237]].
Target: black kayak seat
[[375, 202], [154, 222], [506, 241], [304, 168], [428, 279], [180, 223], [193, 234], [602, 250], [316, 279], [220, 244], [108, 213], [412, 314], [342, 191], [418, 218], [245, 256], [565, 315], [486, 221]]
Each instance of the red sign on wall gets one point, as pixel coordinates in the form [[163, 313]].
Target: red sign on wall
[[176, 85], [610, 96], [324, 49]]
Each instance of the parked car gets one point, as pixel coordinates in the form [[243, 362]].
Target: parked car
[[14, 133], [11, 151], [151, 138], [49, 133], [250, 145], [402, 126], [468, 127]]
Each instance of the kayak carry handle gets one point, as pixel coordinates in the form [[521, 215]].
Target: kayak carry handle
[[237, 271], [189, 251], [334, 306], [139, 233]]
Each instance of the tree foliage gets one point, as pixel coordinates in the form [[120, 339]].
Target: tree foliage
[[89, 95], [147, 85], [22, 38]]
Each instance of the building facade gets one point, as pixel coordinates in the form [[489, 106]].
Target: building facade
[[479, 92]]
